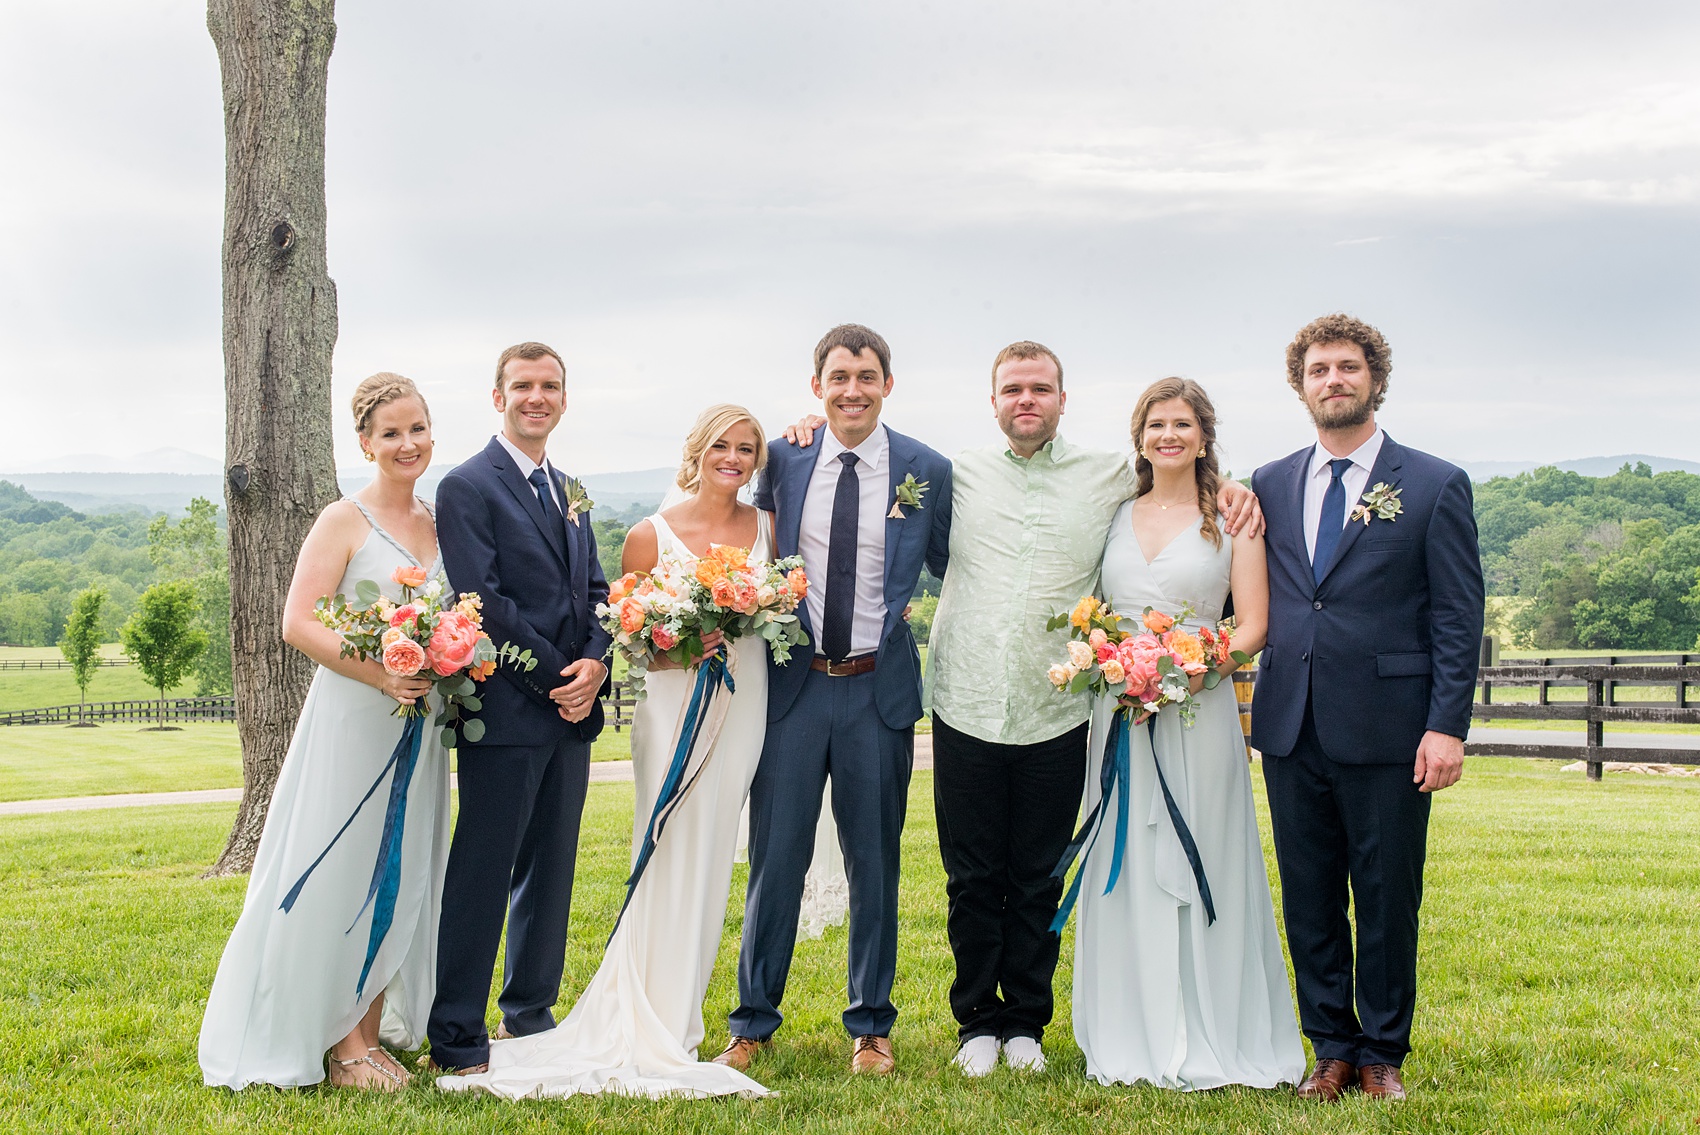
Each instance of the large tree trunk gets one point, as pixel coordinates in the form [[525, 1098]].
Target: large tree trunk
[[279, 329]]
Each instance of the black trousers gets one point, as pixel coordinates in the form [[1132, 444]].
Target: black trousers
[[1005, 814], [515, 843], [1361, 828]]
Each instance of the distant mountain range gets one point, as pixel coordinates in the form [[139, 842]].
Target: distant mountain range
[[110, 484]]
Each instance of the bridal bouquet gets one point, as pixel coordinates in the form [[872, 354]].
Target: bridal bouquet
[[1146, 670], [667, 612], [420, 635]]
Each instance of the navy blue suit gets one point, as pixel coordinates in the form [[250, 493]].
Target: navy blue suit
[[1356, 669], [861, 730], [522, 784]]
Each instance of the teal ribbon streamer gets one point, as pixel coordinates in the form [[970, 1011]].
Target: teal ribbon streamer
[[1182, 832], [1115, 771], [712, 674], [1112, 771], [386, 871]]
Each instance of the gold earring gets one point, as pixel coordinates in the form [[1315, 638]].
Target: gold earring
[[370, 456], [1201, 450]]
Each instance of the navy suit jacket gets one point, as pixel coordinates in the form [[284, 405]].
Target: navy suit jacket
[[1387, 645], [540, 584], [920, 539]]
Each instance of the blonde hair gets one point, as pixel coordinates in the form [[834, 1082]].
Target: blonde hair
[[1208, 475], [1025, 349], [711, 425], [380, 390]]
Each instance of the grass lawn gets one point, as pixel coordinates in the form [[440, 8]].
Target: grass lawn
[[40, 762], [37, 689], [1558, 981]]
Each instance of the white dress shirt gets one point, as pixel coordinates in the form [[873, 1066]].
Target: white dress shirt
[[527, 465], [815, 536], [1354, 480]]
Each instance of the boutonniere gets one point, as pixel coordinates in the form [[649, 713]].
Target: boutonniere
[[909, 493], [1381, 501], [577, 499]]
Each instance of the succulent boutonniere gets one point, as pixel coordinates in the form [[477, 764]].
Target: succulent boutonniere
[[577, 499], [1381, 501], [909, 493]]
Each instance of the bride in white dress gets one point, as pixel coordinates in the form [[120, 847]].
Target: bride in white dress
[[286, 986], [636, 1028], [1162, 994]]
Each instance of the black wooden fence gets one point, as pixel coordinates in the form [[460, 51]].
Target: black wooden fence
[[221, 708]]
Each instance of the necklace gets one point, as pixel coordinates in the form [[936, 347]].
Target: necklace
[[1172, 504]]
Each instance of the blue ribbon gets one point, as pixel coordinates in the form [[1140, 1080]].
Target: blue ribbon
[[711, 675], [1115, 772], [1182, 832], [386, 871]]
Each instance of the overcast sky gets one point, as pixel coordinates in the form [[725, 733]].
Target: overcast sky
[[681, 197]]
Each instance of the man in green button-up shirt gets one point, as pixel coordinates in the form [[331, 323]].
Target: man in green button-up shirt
[[1029, 523]]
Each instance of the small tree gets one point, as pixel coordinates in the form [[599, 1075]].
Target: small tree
[[162, 637], [195, 549], [80, 644]]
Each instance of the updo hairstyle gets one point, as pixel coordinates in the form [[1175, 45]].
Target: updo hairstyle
[[380, 390], [711, 424], [1208, 475]]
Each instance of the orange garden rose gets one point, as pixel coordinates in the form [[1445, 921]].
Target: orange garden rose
[[798, 583], [404, 658], [622, 587], [1190, 650], [1156, 622], [409, 576], [724, 592], [631, 615]]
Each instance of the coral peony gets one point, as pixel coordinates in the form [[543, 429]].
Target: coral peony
[[1156, 622], [404, 614], [404, 658], [744, 598], [409, 576], [452, 644]]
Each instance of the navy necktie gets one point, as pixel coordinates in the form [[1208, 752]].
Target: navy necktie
[[546, 498], [1332, 521], [840, 599]]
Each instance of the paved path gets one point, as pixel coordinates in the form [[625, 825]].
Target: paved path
[[601, 772]]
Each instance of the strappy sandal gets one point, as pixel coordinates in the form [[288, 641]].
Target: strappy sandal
[[389, 1058], [339, 1074]]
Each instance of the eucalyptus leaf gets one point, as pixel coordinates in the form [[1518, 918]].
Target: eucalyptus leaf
[[368, 592], [474, 729], [472, 702], [1240, 656], [448, 738]]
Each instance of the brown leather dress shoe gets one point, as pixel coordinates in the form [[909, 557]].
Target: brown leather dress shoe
[[872, 1054], [740, 1051], [1381, 1082], [502, 1032], [1328, 1080], [432, 1068]]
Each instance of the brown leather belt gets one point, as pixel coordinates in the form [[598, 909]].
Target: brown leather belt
[[849, 668]]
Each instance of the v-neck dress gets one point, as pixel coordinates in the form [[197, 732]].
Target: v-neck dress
[[285, 989], [1159, 995]]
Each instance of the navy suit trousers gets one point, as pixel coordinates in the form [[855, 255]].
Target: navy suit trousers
[[832, 727], [515, 861], [1362, 829]]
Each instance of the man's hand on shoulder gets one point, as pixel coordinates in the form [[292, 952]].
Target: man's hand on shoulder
[[1440, 761], [575, 699], [1238, 507], [802, 434]]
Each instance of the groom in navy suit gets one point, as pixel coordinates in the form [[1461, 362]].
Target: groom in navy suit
[[1363, 698], [846, 704], [515, 531]]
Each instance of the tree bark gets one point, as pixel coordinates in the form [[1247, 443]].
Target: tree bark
[[279, 329]]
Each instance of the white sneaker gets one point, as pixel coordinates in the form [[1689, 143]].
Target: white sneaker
[[977, 1056], [1023, 1054]]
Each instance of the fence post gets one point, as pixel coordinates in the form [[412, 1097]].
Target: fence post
[[1596, 734]]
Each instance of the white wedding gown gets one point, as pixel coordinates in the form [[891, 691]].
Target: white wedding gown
[[1160, 996], [285, 989], [636, 1028]]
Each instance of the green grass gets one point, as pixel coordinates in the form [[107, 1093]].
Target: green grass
[[37, 689], [1558, 988]]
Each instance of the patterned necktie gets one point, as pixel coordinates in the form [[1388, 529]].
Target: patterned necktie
[[1333, 520], [840, 599]]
